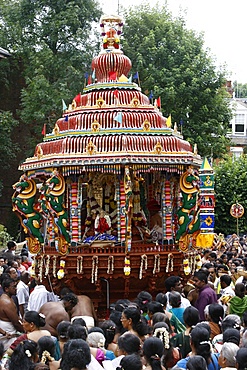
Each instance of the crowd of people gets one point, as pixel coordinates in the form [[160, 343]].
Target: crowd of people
[[199, 325]]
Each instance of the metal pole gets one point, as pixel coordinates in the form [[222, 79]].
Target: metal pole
[[107, 296]]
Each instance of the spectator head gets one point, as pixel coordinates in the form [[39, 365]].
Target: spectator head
[[175, 299], [11, 245], [62, 330], [131, 362], [241, 357], [200, 279], [240, 290], [76, 354], [227, 355], [174, 283], [143, 298], [128, 343], [162, 298], [191, 316], [231, 336], [216, 312], [196, 363], [225, 281]]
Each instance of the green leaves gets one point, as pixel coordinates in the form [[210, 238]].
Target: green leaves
[[230, 187], [172, 61]]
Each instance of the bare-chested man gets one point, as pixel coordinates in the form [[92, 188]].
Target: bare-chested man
[[55, 312], [84, 309], [9, 318]]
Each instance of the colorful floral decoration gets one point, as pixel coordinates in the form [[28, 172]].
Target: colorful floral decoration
[[187, 268], [127, 266], [60, 273]]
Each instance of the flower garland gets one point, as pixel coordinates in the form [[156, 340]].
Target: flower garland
[[169, 265], [54, 265], [127, 266], [32, 273], [95, 261], [47, 265], [162, 334], [46, 356], [144, 261], [79, 268], [187, 268], [41, 268], [60, 273], [110, 266], [156, 264]]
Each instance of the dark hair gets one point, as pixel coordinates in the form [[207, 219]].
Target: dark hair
[[109, 329], [46, 343], [115, 316], [162, 298], [11, 244], [39, 366], [160, 317], [223, 267], [226, 279], [241, 358], [191, 316], [76, 353], [121, 304], [37, 318], [216, 312], [196, 363], [143, 299], [171, 282], [229, 323], [20, 358], [62, 329], [79, 321], [240, 290], [200, 339], [208, 265], [153, 350], [200, 275], [204, 325], [174, 299], [7, 282], [77, 332], [131, 362], [213, 255], [231, 336], [96, 329], [129, 343], [154, 307], [70, 297], [138, 325]]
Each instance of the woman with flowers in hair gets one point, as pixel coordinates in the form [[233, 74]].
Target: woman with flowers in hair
[[32, 322], [171, 354], [201, 345], [153, 350], [24, 355]]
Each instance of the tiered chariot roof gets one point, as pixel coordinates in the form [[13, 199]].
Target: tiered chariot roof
[[112, 123]]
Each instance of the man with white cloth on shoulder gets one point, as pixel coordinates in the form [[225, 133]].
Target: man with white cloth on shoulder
[[9, 318], [38, 296]]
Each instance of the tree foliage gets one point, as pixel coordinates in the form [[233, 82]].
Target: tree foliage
[[172, 62], [240, 90], [52, 42], [230, 187], [8, 148]]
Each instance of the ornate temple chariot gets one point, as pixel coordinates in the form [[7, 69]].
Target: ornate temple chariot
[[113, 192]]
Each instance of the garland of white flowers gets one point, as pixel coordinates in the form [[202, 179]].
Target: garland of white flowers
[[144, 261], [156, 264], [41, 268], [110, 266], [95, 261], [169, 265], [54, 266], [47, 265], [79, 268], [163, 335]]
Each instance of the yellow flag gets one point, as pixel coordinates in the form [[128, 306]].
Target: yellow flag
[[169, 121], [123, 78]]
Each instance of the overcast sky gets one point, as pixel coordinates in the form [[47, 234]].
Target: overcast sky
[[222, 21]]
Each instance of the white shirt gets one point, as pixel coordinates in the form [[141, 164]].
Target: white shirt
[[22, 294], [38, 297]]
